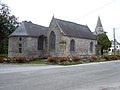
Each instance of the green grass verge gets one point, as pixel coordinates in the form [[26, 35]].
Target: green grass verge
[[37, 61]]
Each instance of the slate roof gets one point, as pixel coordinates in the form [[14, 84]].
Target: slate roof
[[75, 30], [30, 29], [69, 28]]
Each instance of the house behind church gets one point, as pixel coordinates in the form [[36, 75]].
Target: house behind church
[[115, 45], [61, 38]]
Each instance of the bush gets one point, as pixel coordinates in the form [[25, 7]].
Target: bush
[[76, 58], [2, 59], [63, 59], [60, 60], [118, 56], [6, 60], [106, 57], [53, 60], [94, 58], [20, 59], [112, 57]]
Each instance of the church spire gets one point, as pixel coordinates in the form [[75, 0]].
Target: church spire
[[99, 24], [99, 28]]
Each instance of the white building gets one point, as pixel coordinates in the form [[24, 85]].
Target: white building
[[117, 46]]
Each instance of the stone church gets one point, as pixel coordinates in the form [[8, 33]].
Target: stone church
[[61, 38]]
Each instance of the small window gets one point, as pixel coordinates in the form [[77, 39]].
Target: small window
[[20, 45], [72, 45], [91, 46], [20, 39], [20, 48], [52, 40], [41, 43]]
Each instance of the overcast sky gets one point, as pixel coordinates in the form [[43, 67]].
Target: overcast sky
[[84, 12]]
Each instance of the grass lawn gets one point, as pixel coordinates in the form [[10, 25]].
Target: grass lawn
[[37, 61]]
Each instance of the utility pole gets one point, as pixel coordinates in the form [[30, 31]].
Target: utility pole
[[0, 1], [114, 40]]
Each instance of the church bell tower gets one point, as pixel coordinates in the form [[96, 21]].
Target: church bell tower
[[99, 28]]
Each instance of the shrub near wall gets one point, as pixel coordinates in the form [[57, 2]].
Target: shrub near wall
[[5, 59], [94, 58], [75, 58], [106, 57], [2, 58], [118, 56], [53, 60], [113, 57], [63, 60], [20, 59]]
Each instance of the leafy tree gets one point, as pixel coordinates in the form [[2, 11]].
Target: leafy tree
[[103, 42], [8, 24]]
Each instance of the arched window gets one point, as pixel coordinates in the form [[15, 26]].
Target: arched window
[[20, 39], [52, 40], [41, 43], [72, 45], [20, 48], [91, 46]]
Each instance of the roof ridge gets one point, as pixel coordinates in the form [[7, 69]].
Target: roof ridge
[[69, 22], [34, 24]]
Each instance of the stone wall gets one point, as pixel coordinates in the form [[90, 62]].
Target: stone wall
[[13, 46], [30, 50], [29, 47], [55, 28], [82, 46]]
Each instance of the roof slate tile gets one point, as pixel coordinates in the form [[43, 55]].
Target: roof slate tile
[[75, 30]]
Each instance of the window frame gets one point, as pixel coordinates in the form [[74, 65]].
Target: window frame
[[20, 48], [52, 41], [20, 38], [91, 46], [72, 45], [41, 43]]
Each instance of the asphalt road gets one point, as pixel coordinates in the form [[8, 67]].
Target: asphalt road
[[95, 76]]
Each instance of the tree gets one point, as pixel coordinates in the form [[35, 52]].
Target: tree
[[8, 24], [103, 42]]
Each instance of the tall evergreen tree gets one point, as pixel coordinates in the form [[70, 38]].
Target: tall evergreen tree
[[8, 24]]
